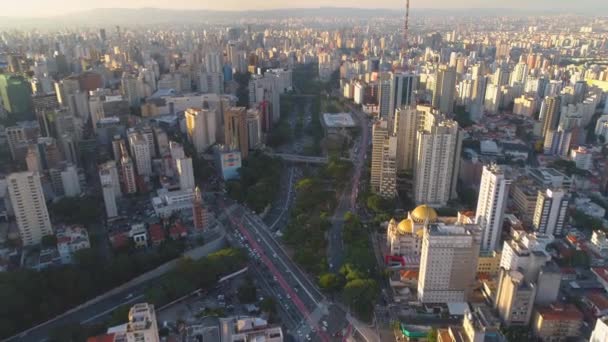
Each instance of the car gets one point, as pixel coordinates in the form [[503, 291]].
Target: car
[[129, 296]]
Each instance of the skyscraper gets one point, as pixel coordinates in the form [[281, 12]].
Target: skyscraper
[[128, 87], [185, 173], [379, 137], [29, 205], [235, 130], [405, 129], [109, 167], [199, 212], [107, 188], [388, 176], [514, 298], [254, 128], [403, 87], [127, 175], [491, 204], [550, 114], [384, 95], [201, 128], [551, 212], [16, 94], [437, 162], [445, 89], [448, 263], [140, 151]]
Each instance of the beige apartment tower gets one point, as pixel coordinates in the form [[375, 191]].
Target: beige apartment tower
[[235, 130], [30, 209]]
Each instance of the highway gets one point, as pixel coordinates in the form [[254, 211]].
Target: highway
[[348, 198], [298, 288]]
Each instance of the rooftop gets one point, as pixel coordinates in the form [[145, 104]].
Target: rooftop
[[338, 120], [560, 312]]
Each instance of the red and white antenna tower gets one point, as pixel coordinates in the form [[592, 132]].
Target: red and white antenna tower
[[406, 24]]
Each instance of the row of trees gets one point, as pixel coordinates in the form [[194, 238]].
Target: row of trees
[[29, 297], [259, 181]]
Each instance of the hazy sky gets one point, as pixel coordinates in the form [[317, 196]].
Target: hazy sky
[[28, 8]]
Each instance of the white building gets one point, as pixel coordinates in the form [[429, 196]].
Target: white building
[[491, 204], [437, 163], [526, 252], [201, 128], [600, 332], [140, 151], [550, 214], [29, 206], [249, 329], [211, 82], [388, 176], [379, 136], [448, 263], [185, 173], [71, 239], [109, 197], [141, 327], [582, 157], [168, 202], [70, 181], [599, 242]]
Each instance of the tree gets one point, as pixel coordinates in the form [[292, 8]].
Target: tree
[[329, 281], [76, 210], [268, 305], [247, 292], [360, 294], [432, 335]]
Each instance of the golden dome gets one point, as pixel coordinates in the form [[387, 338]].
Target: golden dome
[[422, 213], [405, 227]]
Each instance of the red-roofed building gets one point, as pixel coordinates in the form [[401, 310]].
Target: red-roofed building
[[157, 234], [101, 338], [177, 231], [601, 273], [119, 239], [557, 322], [597, 303]]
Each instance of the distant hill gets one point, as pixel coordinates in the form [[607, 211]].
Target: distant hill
[[146, 16]]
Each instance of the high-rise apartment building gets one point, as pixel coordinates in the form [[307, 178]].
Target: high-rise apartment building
[[140, 151], [16, 94], [388, 175], [27, 200], [445, 89], [448, 263], [550, 215], [402, 91], [380, 134], [491, 204], [600, 332], [110, 168], [127, 175], [201, 128], [235, 130], [550, 110], [185, 173], [437, 162], [70, 181], [254, 128], [514, 298], [405, 129], [128, 87], [200, 216], [109, 197]]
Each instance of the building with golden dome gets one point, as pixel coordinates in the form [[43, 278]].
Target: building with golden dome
[[405, 237]]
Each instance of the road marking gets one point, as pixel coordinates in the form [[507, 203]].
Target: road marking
[[112, 309]]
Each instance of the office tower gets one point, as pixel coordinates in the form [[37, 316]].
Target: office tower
[[185, 173], [405, 129], [550, 115], [213, 62], [211, 82], [20, 136], [110, 168], [16, 94], [384, 95], [27, 200], [600, 332], [200, 216], [402, 91], [107, 188], [127, 174], [551, 212], [379, 136], [491, 204], [445, 89], [128, 88], [162, 142], [388, 175], [254, 128], [448, 263], [70, 181], [437, 162], [140, 151], [514, 298], [201, 127], [235, 130]]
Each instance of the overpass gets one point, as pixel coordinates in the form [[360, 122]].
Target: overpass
[[296, 158]]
